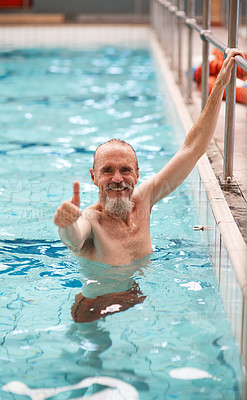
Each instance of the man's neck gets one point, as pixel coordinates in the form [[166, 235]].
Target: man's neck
[[125, 218]]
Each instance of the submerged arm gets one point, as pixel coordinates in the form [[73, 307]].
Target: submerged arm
[[74, 235]]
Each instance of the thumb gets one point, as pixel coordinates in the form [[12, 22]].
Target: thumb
[[76, 194]]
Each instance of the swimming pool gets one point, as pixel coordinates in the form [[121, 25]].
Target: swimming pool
[[57, 106]]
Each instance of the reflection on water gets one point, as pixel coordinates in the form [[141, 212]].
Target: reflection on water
[[92, 341]]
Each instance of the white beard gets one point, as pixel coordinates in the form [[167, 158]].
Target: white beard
[[119, 206]]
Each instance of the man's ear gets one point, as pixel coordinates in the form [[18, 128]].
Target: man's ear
[[137, 175], [93, 176]]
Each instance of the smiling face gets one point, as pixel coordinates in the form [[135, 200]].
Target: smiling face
[[115, 173]]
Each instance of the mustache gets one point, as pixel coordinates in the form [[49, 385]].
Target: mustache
[[119, 186]]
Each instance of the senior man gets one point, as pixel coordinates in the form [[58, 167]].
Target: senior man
[[116, 229]]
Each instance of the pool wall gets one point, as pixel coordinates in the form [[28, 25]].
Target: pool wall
[[227, 248], [72, 35]]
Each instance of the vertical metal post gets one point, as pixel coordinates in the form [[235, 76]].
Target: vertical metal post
[[161, 27], [167, 31], [231, 95], [25, 4], [171, 49], [152, 13], [138, 9], [179, 30], [164, 27], [190, 43], [172, 30], [158, 18], [161, 21], [205, 52], [161, 24]]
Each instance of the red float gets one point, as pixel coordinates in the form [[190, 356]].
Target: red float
[[214, 68]]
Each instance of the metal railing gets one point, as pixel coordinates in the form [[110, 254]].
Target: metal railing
[[165, 15]]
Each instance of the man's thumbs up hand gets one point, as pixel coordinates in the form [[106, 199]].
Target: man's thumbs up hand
[[69, 211]]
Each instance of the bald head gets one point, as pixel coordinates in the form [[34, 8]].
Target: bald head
[[113, 143]]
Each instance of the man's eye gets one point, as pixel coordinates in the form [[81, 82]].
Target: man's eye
[[125, 169], [107, 170]]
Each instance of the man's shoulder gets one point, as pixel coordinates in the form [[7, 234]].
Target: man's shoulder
[[89, 216], [91, 211], [142, 192]]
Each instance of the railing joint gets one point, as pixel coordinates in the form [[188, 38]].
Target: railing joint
[[204, 32], [190, 22], [166, 3], [172, 9], [180, 14]]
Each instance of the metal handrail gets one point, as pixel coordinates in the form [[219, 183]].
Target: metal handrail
[[167, 11]]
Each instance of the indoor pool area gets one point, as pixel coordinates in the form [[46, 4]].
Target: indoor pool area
[[64, 91]]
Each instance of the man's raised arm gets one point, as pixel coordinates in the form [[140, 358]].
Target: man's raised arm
[[72, 233], [197, 140]]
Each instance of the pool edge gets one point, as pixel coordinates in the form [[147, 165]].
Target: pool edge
[[228, 245]]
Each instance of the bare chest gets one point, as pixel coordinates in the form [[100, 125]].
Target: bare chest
[[117, 242], [121, 245], [116, 230]]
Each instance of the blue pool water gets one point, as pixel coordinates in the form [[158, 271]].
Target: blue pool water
[[57, 105]]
